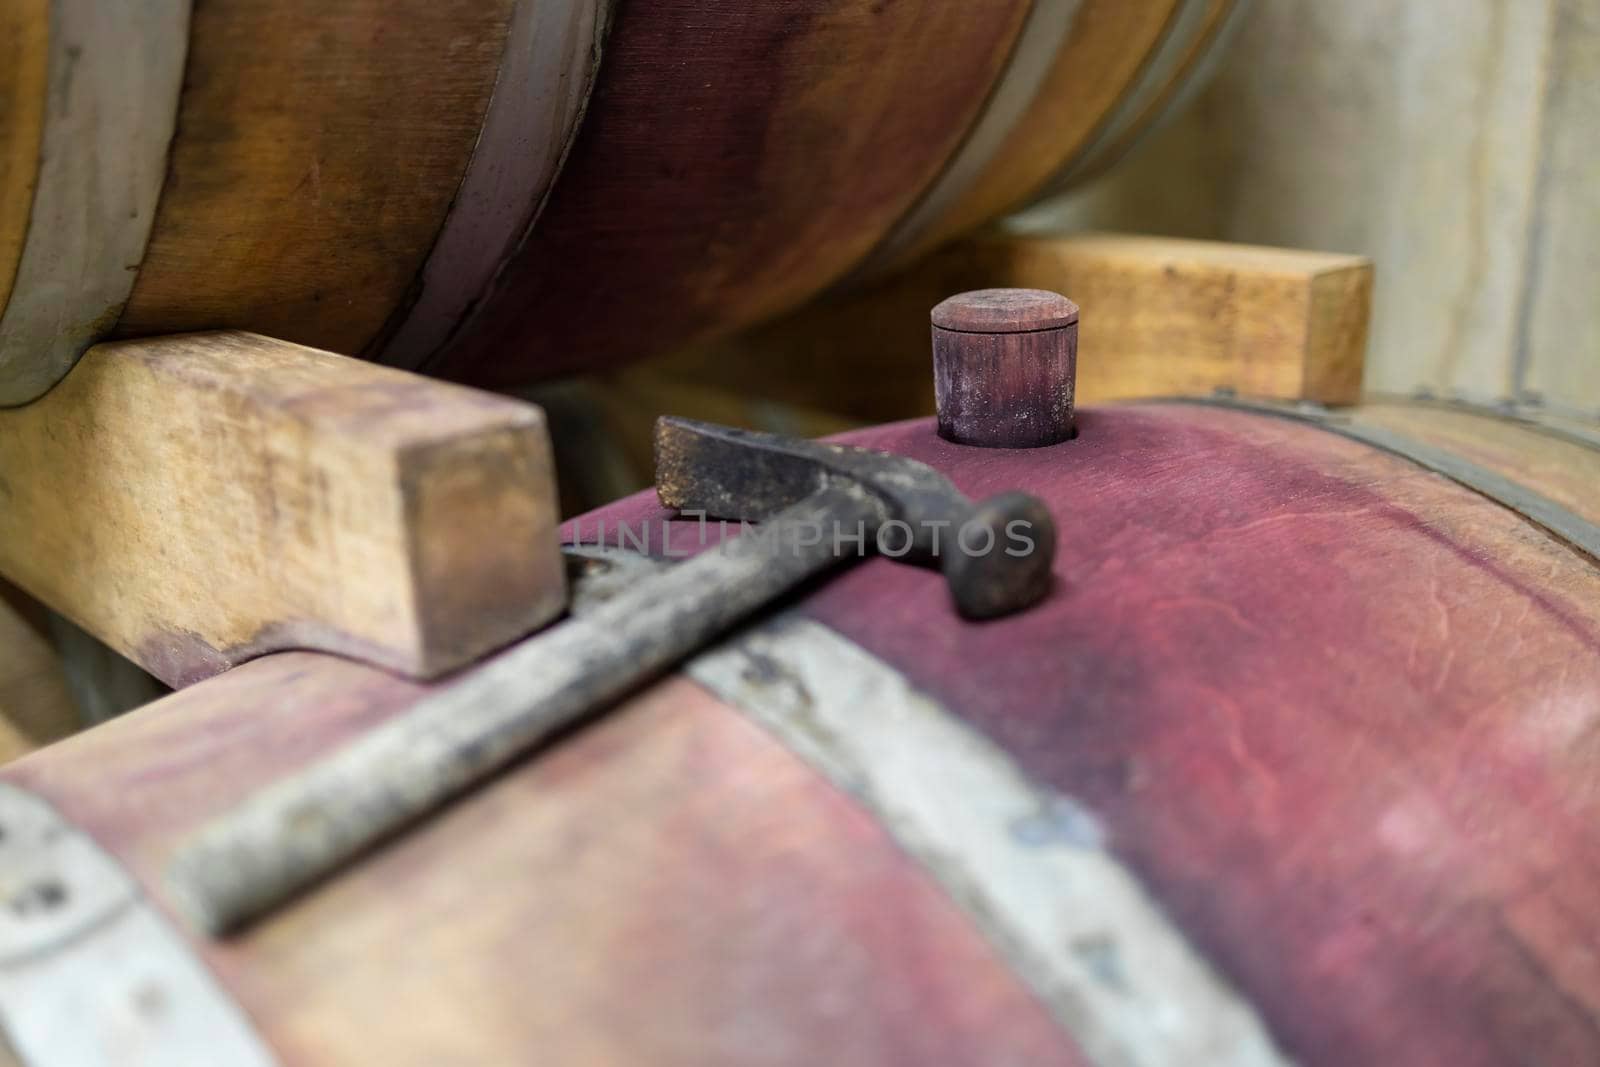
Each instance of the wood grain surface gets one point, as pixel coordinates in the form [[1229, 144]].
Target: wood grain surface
[[736, 158], [1159, 317], [24, 52], [552, 52], [318, 148], [670, 887], [1014, 93], [197, 500], [1563, 470], [114, 73], [1108, 44], [1190, 45], [1188, 316], [1109, 85], [1339, 713], [1005, 390]]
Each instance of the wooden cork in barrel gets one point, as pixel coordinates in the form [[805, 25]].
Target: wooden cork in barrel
[[1004, 361]]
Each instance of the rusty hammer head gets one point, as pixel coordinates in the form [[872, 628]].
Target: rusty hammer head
[[995, 554]]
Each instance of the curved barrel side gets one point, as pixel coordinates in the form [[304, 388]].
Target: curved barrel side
[[317, 152], [1339, 712], [24, 50], [735, 160], [113, 74]]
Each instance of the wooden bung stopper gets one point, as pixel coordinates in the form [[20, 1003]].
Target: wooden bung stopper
[[1004, 361]]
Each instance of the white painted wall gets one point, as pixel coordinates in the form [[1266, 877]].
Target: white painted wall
[[1457, 142]]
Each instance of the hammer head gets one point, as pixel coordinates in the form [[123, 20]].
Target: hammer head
[[995, 555]]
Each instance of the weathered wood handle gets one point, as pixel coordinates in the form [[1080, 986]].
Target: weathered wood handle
[[295, 832]]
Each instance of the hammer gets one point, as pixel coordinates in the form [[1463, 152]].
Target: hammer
[[995, 555]]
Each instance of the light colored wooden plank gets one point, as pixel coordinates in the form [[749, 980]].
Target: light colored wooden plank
[[1173, 316], [1338, 327], [1159, 317], [194, 501]]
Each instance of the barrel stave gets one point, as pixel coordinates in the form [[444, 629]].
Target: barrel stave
[[702, 195], [383, 178], [676, 888], [318, 147], [1339, 712]]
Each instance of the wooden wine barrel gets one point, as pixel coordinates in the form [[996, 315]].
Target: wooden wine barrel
[[1295, 764], [380, 178], [896, 141], [1117, 71]]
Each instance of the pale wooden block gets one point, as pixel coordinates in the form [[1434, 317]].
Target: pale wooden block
[[1163, 315], [195, 501], [1159, 317]]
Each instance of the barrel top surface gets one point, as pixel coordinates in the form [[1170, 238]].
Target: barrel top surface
[[674, 867], [1337, 711], [1004, 311]]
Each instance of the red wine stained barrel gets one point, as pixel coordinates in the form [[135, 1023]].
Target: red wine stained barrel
[[503, 190], [736, 158], [1295, 764], [1339, 713]]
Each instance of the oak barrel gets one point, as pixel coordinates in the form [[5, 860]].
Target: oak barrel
[[502, 190], [1295, 764]]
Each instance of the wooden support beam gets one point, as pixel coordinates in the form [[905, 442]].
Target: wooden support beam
[[198, 500], [1163, 315], [1160, 316]]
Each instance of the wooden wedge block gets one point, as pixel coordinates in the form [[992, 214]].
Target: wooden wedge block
[[1160, 316], [198, 500], [1174, 316]]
